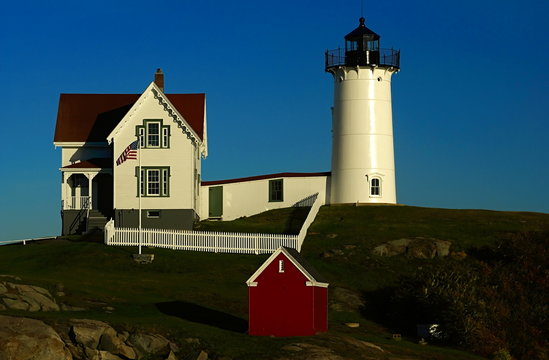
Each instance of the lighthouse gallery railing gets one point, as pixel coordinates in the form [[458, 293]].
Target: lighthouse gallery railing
[[381, 57]]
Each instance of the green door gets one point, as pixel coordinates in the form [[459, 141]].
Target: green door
[[216, 202]]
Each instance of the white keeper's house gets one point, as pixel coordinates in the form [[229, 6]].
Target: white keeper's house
[[125, 152]]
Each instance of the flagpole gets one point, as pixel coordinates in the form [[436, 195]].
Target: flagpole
[[139, 187]]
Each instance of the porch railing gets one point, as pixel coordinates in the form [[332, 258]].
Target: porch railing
[[209, 241], [76, 203]]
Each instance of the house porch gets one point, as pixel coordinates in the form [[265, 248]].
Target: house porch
[[86, 195]]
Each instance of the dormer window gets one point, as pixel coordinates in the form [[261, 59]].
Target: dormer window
[[153, 134]]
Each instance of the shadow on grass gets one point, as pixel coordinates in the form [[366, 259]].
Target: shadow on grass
[[381, 307], [199, 314], [296, 219]]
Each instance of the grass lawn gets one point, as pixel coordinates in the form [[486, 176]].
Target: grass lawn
[[185, 294]]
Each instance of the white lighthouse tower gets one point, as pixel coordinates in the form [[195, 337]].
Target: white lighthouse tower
[[363, 165]]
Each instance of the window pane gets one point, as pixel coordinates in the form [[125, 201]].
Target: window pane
[[153, 182], [275, 190], [153, 134], [375, 188]]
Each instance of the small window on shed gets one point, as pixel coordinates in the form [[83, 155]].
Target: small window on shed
[[154, 214], [280, 266]]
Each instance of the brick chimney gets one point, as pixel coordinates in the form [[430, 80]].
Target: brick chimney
[[159, 79]]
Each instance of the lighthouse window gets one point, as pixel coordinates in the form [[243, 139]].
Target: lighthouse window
[[375, 187], [276, 190]]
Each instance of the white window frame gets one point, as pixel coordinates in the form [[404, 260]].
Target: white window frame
[[163, 181], [158, 135], [151, 182], [374, 186]]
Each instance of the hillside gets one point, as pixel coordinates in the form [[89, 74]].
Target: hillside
[[199, 300]]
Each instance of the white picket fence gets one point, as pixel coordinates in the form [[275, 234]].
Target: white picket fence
[[211, 241]]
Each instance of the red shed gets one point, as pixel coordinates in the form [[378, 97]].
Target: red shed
[[287, 297]]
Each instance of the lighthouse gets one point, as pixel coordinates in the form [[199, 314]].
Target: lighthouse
[[363, 165]]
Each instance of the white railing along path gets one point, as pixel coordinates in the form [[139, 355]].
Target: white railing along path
[[212, 241]]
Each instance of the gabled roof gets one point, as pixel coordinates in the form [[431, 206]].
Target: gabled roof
[[92, 117], [315, 279]]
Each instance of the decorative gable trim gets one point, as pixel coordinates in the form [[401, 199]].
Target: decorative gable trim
[[114, 133], [174, 114], [168, 108], [251, 282]]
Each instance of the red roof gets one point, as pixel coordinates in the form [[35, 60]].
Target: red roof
[[91, 117], [262, 177], [98, 163]]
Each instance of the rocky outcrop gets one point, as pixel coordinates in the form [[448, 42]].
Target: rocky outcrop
[[22, 339], [419, 248], [26, 297], [342, 299], [82, 339], [147, 343]]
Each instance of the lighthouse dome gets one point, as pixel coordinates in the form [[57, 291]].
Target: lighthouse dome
[[362, 32]]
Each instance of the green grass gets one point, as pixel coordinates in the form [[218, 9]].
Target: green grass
[[339, 245], [279, 221]]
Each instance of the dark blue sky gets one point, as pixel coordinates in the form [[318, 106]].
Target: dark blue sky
[[470, 113]]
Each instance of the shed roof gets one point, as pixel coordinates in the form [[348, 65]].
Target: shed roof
[[91, 117], [263, 177], [295, 257]]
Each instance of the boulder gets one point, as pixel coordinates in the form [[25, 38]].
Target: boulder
[[393, 247], [145, 344], [342, 299], [105, 355], [16, 304], [26, 339], [88, 332], [422, 249], [110, 341], [315, 352], [443, 247], [171, 356], [202, 356], [419, 248], [27, 297]]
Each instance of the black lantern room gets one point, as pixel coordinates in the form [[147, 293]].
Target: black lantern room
[[361, 46], [362, 49]]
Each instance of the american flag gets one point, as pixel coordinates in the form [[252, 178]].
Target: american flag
[[129, 153]]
